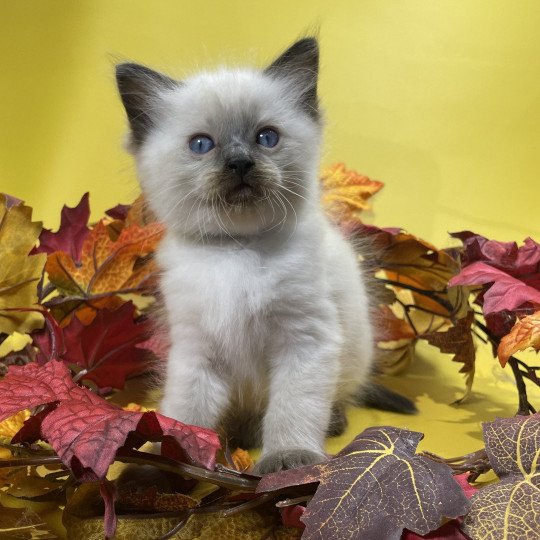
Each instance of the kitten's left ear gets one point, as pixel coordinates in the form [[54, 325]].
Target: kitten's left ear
[[139, 88], [300, 65]]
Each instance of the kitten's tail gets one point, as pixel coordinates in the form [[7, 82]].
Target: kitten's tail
[[379, 397]]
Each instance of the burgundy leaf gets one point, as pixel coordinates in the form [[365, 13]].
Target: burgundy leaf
[[374, 488], [85, 430], [120, 211], [107, 349], [108, 493], [72, 232]]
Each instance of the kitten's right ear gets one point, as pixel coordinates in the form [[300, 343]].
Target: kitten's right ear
[[300, 65], [139, 87]]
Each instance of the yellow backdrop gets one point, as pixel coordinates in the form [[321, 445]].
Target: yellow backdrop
[[438, 99]]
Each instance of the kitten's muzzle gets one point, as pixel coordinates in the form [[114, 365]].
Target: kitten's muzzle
[[240, 166]]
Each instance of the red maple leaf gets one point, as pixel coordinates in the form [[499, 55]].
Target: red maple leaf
[[72, 232], [504, 292], [86, 431], [108, 348], [522, 262]]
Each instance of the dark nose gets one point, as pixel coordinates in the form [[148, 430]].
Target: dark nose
[[240, 166]]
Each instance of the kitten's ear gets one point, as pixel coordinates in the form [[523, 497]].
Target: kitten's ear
[[300, 65], [139, 88]]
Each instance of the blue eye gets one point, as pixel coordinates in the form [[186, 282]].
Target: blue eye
[[267, 137], [201, 144]]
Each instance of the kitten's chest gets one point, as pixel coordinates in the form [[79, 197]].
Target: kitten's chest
[[227, 294]]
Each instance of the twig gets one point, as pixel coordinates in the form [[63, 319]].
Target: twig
[[524, 406], [292, 502], [476, 463]]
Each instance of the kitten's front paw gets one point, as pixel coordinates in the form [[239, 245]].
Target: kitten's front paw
[[287, 459]]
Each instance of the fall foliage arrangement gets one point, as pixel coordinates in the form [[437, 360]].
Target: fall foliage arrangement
[[78, 300]]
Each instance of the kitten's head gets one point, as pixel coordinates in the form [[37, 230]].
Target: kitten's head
[[231, 152]]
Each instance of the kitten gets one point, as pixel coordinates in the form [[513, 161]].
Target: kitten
[[267, 310]]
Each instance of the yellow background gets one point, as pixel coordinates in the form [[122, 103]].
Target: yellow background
[[440, 99]]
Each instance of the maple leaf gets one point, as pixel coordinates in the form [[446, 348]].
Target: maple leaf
[[345, 193], [85, 430], [72, 232], [451, 529], [374, 488], [413, 265], [511, 507], [458, 340], [505, 292], [107, 267], [522, 262], [524, 334], [107, 348], [19, 273]]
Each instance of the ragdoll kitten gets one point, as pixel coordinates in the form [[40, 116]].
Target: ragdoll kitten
[[267, 311]]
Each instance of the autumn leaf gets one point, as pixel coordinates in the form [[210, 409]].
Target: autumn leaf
[[504, 292], [85, 430], [458, 340], [72, 232], [20, 272], [345, 193], [522, 262], [106, 349], [108, 267], [510, 508], [525, 334], [374, 488]]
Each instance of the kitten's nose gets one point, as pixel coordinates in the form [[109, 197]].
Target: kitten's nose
[[240, 166]]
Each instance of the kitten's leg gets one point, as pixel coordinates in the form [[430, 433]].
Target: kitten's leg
[[194, 392], [304, 372]]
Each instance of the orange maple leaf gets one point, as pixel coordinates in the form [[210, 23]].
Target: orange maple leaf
[[108, 267], [524, 334], [345, 192]]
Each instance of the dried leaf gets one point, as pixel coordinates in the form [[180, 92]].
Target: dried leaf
[[72, 232], [374, 488], [524, 334], [509, 509], [19, 273], [458, 340], [345, 193], [85, 430], [107, 267]]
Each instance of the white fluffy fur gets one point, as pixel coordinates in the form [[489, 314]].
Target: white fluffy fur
[[265, 302]]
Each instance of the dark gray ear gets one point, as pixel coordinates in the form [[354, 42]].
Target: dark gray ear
[[300, 64], [139, 86]]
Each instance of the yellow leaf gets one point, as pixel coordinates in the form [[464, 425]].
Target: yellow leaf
[[345, 192], [19, 272], [242, 460], [11, 426]]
